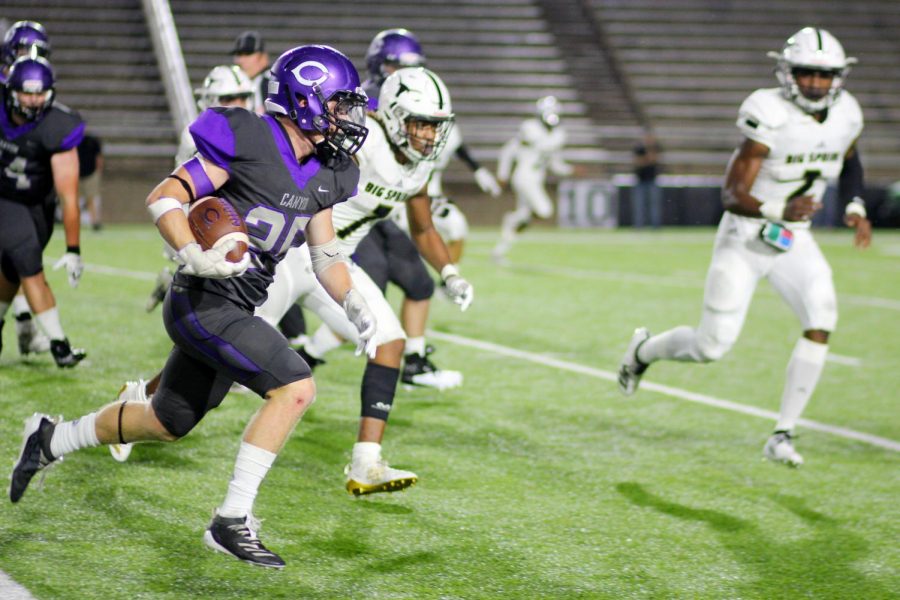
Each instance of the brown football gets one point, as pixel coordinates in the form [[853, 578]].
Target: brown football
[[214, 221]]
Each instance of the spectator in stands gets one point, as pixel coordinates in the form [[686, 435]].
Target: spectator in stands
[[523, 163], [90, 175], [796, 138], [646, 195], [249, 53]]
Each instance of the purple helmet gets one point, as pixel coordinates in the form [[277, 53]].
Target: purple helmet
[[398, 47], [29, 75], [304, 80], [24, 35]]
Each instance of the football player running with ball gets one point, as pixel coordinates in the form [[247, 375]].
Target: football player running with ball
[[283, 172], [406, 134], [796, 138]]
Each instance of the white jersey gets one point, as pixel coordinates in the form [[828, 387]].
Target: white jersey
[[384, 187], [454, 141], [533, 150], [804, 155]]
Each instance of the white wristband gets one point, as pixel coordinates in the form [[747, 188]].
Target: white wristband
[[163, 205], [856, 207], [449, 270], [773, 210]]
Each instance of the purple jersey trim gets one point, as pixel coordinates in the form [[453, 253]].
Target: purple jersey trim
[[212, 346], [300, 173], [73, 139], [213, 137], [372, 104], [202, 185]]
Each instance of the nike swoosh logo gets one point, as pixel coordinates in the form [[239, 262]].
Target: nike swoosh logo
[[321, 190], [325, 252]]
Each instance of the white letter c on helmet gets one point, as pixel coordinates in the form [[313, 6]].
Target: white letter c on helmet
[[310, 63]]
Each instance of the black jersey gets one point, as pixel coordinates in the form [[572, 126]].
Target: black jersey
[[25, 151], [276, 195]]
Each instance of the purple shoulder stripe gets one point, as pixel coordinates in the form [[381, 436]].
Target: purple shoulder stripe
[[73, 139], [214, 139], [300, 173]]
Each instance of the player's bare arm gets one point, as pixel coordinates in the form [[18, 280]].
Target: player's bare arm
[[334, 277], [65, 179], [173, 224], [855, 216], [423, 233]]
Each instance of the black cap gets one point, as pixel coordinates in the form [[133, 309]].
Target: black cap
[[248, 43]]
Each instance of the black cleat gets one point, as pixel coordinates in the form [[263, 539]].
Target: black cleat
[[311, 360], [34, 456], [234, 536], [64, 354]]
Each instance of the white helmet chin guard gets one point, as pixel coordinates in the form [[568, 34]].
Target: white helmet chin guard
[[410, 95], [815, 49], [224, 80]]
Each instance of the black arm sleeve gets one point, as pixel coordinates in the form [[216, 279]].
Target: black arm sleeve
[[850, 184], [462, 153]]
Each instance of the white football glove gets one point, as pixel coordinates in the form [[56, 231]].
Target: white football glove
[[364, 320], [74, 267], [212, 263], [487, 183], [459, 290]]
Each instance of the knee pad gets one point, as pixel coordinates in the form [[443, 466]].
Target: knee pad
[[379, 385], [6, 267], [178, 421], [410, 274]]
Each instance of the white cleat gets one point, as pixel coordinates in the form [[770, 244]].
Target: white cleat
[[419, 371], [31, 339], [780, 448], [376, 476], [132, 391], [631, 369]]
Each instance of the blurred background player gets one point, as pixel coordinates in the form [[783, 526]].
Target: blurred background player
[[90, 179], [523, 163], [40, 164], [770, 196], [646, 195], [21, 39], [406, 133], [225, 86], [249, 53], [303, 146]]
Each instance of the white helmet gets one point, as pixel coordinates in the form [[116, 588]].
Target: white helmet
[[415, 94], [224, 80], [547, 109], [815, 49]]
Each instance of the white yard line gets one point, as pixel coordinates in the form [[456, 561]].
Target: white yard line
[[663, 389], [10, 590], [847, 361]]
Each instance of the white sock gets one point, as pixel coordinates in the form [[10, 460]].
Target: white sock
[[322, 342], [676, 344], [415, 345], [20, 305], [4, 306], [49, 323], [803, 371], [250, 468], [69, 436], [366, 452]]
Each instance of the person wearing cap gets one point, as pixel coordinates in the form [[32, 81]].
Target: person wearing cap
[[249, 53]]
